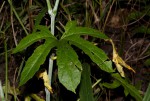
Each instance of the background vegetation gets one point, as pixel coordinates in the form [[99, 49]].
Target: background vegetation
[[125, 22]]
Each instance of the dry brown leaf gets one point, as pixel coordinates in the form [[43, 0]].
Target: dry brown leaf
[[46, 80], [119, 62]]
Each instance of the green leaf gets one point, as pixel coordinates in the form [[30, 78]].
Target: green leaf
[[113, 85], [39, 17], [147, 94], [71, 30], [30, 39], [126, 93], [69, 25], [69, 67], [142, 29], [138, 14], [147, 62], [86, 31], [86, 93], [42, 29], [34, 61], [128, 87], [96, 54]]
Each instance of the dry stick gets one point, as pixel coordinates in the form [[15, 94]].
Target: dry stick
[[15, 40], [95, 15], [87, 21], [3, 17], [2, 23], [139, 51], [2, 6], [145, 50], [135, 21], [30, 16], [17, 16], [12, 25], [137, 59], [139, 55], [14, 80], [67, 15], [126, 59], [108, 15]]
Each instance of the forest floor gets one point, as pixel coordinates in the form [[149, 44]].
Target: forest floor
[[133, 47]]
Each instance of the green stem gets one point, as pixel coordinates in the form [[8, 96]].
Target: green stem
[[49, 6], [52, 25], [52, 13]]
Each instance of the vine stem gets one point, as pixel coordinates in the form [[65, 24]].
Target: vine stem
[[52, 13]]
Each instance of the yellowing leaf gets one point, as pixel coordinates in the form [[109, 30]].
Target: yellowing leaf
[[36, 97], [27, 98], [120, 70], [119, 62], [43, 75], [33, 96]]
